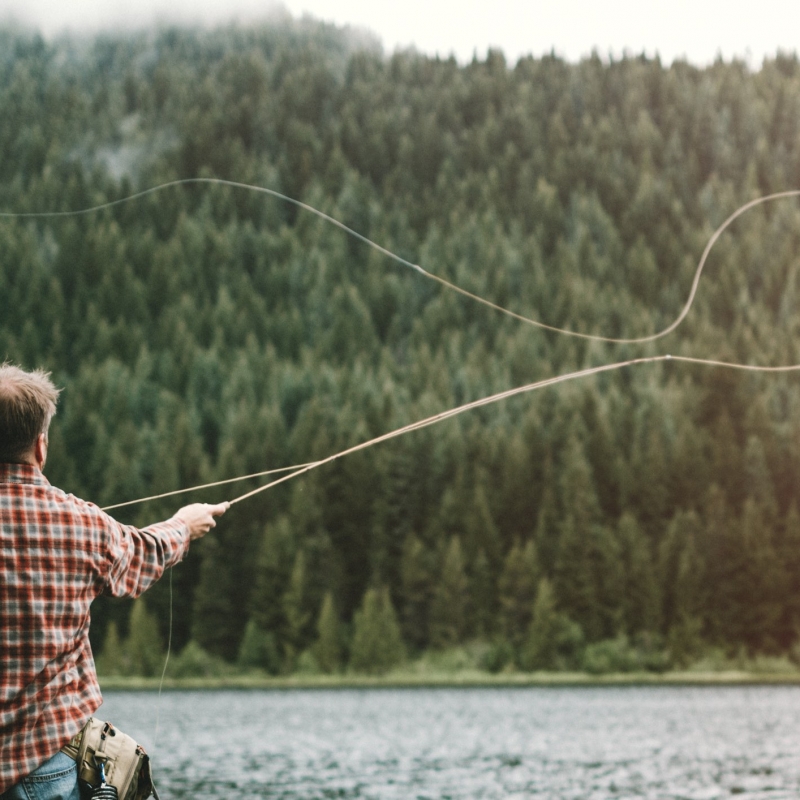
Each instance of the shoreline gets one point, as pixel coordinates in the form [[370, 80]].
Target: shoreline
[[466, 680]]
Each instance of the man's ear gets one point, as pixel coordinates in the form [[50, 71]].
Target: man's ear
[[40, 450]]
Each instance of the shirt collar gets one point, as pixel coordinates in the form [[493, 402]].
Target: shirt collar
[[22, 473]]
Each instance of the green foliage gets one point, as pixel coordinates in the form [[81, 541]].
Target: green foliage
[[684, 641], [328, 649], [553, 641], [640, 610], [213, 606], [448, 615], [143, 649], [416, 588], [111, 661], [258, 650], [621, 655], [194, 662], [517, 590], [295, 611], [498, 656], [377, 645]]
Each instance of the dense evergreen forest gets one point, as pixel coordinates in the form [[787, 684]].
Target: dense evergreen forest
[[203, 332]]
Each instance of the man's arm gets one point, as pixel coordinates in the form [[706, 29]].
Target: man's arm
[[138, 558]]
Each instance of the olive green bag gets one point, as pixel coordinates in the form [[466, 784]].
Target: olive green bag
[[110, 763]]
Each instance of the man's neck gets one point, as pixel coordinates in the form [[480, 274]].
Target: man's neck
[[28, 460]]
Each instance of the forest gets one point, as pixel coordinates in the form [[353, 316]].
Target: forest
[[639, 519]]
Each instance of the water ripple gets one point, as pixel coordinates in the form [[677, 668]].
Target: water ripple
[[660, 743]]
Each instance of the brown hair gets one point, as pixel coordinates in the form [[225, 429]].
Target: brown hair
[[27, 404]]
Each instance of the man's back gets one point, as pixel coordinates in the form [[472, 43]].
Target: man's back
[[57, 553]]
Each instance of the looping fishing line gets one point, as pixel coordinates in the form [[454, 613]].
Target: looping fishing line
[[417, 267]]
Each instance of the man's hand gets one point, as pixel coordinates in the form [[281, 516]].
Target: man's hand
[[199, 517]]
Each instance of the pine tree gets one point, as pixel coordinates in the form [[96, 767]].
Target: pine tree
[[480, 529], [449, 606], [273, 568], [764, 580], [213, 604], [111, 660], [143, 646], [680, 569], [547, 530], [760, 484], [482, 597], [552, 641], [328, 649], [259, 649], [640, 589], [377, 644], [588, 581], [416, 592], [296, 612], [517, 590], [788, 553]]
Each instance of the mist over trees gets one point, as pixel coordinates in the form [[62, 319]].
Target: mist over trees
[[205, 332]]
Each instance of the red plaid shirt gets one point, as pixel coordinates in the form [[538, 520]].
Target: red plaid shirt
[[57, 553]]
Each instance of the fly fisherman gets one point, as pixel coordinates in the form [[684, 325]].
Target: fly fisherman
[[57, 553]]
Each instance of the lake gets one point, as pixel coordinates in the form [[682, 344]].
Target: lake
[[431, 744]]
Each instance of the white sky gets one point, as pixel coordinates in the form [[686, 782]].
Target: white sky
[[699, 30]]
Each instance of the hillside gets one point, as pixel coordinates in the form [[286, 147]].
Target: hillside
[[202, 333]]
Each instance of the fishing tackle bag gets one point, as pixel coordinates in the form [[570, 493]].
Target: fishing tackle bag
[[111, 766]]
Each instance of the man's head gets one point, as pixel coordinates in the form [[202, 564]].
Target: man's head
[[27, 404]]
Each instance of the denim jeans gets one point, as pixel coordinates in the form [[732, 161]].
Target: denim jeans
[[56, 779]]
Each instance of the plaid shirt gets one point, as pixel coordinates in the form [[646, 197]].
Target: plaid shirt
[[57, 553]]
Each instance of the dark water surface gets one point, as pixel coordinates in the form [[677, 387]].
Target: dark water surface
[[652, 742]]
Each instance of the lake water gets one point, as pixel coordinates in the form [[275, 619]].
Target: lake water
[[431, 744]]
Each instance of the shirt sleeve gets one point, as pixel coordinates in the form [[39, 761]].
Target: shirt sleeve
[[136, 558]]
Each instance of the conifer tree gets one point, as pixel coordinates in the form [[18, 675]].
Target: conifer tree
[[639, 592], [517, 591], [143, 647], [552, 640], [761, 486], [273, 568], [449, 606], [547, 530], [259, 649], [788, 553], [416, 592], [328, 649], [295, 611], [680, 571], [213, 607], [481, 604], [111, 660], [377, 644], [763, 581], [480, 529]]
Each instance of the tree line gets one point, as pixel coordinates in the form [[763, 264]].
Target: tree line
[[206, 332]]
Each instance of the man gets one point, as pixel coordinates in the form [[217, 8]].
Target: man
[[57, 553]]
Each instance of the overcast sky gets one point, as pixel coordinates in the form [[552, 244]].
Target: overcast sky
[[699, 30]]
